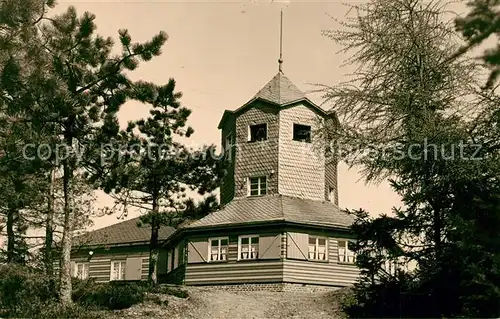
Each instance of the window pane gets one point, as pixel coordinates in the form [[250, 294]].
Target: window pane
[[254, 192], [342, 244], [215, 243], [122, 270], [312, 251], [322, 241], [255, 240], [322, 253], [244, 241], [263, 182], [254, 251], [258, 132], [342, 254], [302, 132], [223, 242], [312, 240]]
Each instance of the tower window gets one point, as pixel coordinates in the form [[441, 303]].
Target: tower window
[[257, 186], [331, 194], [302, 133], [257, 132]]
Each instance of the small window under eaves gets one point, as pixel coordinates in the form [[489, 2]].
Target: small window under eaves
[[302, 133], [257, 132]]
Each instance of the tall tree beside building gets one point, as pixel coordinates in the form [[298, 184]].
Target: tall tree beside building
[[411, 114], [83, 89], [21, 87]]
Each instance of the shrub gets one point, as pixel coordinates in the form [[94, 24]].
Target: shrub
[[28, 293], [112, 295], [24, 292]]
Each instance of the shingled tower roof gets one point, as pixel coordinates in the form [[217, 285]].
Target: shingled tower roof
[[280, 90]]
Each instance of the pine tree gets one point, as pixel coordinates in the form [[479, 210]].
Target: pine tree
[[19, 87], [153, 169], [84, 88]]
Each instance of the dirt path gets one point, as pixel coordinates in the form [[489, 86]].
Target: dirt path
[[205, 303]]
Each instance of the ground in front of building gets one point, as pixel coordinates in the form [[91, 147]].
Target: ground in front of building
[[222, 304]]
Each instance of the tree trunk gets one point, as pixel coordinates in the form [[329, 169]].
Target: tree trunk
[[65, 261], [153, 245], [11, 236], [49, 231]]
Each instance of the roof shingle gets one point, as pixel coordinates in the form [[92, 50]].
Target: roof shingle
[[121, 233], [280, 90], [276, 208]]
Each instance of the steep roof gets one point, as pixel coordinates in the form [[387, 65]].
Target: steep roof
[[280, 90], [126, 232], [249, 210]]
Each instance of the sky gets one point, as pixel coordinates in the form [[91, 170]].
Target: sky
[[222, 52]]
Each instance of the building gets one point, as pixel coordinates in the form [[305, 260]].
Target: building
[[116, 252], [280, 225]]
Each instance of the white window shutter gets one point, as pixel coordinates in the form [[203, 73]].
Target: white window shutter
[[297, 246], [270, 247], [133, 268], [196, 251]]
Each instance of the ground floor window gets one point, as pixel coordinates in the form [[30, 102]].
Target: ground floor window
[[317, 248], [81, 270], [218, 248], [248, 247], [117, 270], [345, 254]]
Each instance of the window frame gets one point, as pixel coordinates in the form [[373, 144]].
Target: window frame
[[259, 182], [240, 246], [219, 239], [121, 269], [249, 137], [346, 253], [308, 140], [86, 265], [316, 251]]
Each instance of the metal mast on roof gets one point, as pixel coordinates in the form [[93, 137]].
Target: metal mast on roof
[[280, 60]]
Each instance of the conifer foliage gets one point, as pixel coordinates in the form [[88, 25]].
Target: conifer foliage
[[61, 85], [414, 112]]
